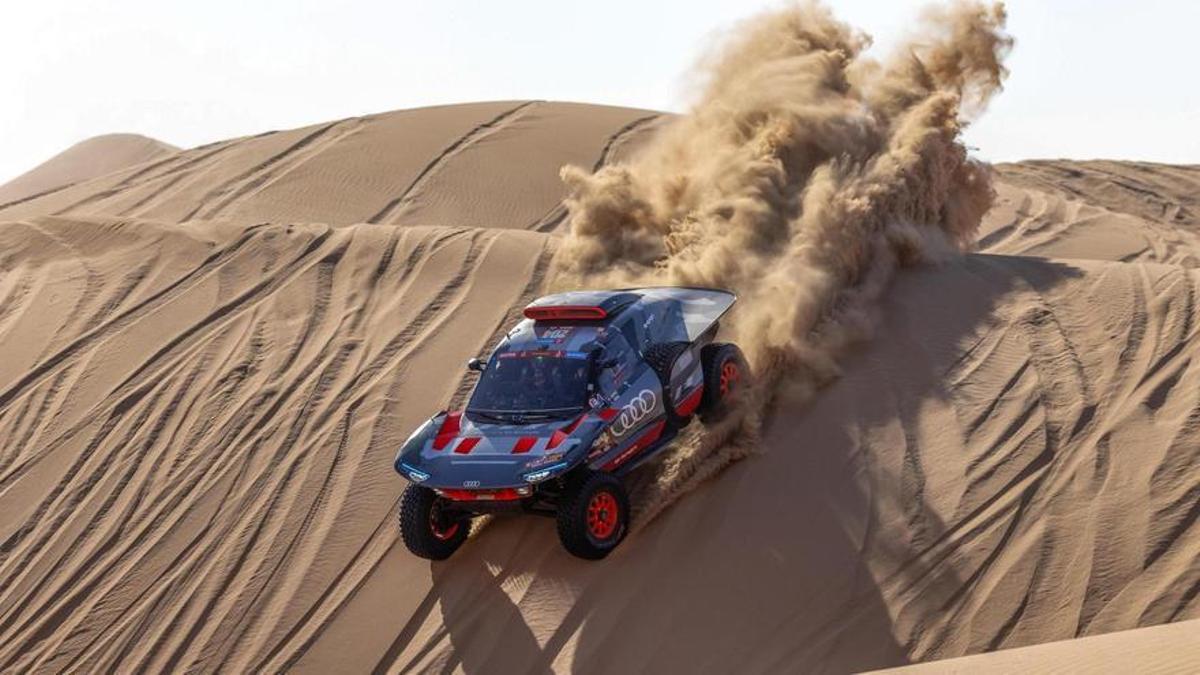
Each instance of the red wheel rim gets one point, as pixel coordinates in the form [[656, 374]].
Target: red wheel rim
[[729, 377], [439, 531], [602, 515]]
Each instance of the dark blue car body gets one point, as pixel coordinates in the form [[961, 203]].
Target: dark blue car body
[[593, 357]]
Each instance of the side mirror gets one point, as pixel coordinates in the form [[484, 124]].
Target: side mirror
[[476, 365]]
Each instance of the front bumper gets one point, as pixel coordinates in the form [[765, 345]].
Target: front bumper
[[448, 471]]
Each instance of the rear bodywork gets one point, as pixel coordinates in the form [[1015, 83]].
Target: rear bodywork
[[622, 418]]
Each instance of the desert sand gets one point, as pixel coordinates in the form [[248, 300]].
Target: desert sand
[[210, 358], [1171, 648], [88, 159]]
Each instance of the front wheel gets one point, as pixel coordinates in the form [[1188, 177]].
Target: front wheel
[[593, 516], [427, 528]]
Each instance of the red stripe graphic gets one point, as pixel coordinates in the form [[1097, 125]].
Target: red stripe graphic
[[466, 445], [652, 434], [690, 402], [524, 444], [561, 435], [448, 431]]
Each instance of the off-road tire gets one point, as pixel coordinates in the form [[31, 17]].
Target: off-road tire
[[661, 358], [579, 534], [716, 359], [417, 514]]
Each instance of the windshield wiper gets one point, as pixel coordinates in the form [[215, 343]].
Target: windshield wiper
[[514, 415], [551, 413], [494, 415]]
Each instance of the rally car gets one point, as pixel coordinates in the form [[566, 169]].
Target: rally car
[[588, 386]]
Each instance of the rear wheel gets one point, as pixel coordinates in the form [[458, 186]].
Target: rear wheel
[[661, 358], [428, 529], [593, 516], [725, 375]]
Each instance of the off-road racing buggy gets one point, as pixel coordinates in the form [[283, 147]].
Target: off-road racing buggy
[[588, 386]]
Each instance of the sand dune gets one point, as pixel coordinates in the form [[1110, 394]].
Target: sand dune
[[1131, 212], [211, 359], [83, 161], [192, 413], [1171, 648], [492, 165]]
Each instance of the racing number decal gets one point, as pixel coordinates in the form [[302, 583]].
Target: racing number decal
[[634, 412]]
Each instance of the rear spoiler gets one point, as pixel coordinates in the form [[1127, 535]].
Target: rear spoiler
[[579, 305], [565, 312], [702, 307]]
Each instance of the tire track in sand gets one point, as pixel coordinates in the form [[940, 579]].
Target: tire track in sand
[[114, 546], [557, 214], [397, 206]]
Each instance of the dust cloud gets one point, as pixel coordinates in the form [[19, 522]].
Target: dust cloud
[[802, 178]]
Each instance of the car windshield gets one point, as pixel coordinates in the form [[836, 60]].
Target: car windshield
[[532, 383]]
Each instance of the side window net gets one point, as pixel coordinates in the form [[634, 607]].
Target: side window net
[[612, 381]]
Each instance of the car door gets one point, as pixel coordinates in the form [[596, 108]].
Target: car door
[[629, 390]]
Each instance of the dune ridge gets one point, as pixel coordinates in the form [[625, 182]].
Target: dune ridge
[[399, 168], [85, 160]]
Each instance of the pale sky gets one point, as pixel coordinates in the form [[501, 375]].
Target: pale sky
[[1090, 79]]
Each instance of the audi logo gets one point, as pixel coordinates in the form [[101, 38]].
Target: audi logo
[[470, 483], [633, 412]]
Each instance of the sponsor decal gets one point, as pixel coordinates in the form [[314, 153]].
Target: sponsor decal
[[544, 460], [602, 444], [620, 459], [634, 412], [598, 401], [544, 353], [619, 374]]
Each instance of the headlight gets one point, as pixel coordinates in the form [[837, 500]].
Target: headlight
[[413, 474], [542, 474]]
